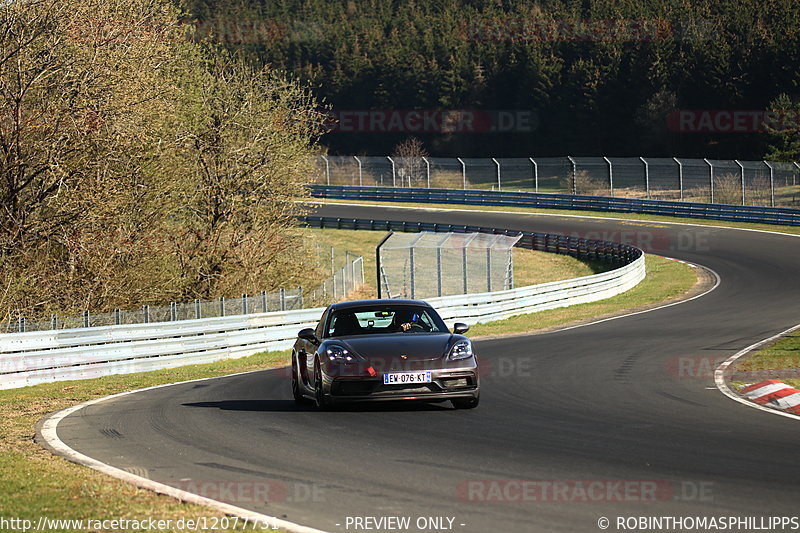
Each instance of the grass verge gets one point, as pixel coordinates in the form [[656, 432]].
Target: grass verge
[[666, 281], [780, 357], [37, 483]]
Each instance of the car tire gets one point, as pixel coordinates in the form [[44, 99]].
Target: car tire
[[466, 403], [322, 402], [299, 399]]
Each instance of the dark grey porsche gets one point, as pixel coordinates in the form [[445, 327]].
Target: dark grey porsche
[[370, 350]]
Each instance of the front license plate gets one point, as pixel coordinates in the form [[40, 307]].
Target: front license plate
[[402, 378]]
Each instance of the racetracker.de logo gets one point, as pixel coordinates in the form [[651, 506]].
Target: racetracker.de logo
[[587, 491], [431, 121], [732, 121]]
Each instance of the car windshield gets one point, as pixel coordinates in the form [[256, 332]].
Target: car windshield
[[382, 320]]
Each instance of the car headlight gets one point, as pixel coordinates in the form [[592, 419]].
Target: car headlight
[[339, 354], [461, 350]]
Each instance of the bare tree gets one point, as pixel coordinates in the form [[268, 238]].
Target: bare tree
[[411, 165]]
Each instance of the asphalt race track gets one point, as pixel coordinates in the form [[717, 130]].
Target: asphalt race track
[[578, 412]]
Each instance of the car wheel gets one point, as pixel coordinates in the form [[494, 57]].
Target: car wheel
[[299, 399], [466, 403], [322, 402]]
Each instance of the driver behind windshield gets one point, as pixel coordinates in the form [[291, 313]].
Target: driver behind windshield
[[404, 320]]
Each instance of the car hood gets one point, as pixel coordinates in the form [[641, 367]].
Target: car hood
[[414, 346]]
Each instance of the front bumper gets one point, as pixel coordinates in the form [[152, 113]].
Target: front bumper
[[445, 385]]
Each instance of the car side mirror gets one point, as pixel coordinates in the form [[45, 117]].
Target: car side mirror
[[308, 335], [460, 328]]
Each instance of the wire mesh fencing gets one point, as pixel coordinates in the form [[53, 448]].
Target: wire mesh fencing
[[427, 265], [346, 276], [760, 183]]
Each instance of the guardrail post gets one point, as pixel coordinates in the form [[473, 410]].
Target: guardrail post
[[197, 313], [741, 168], [86, 318], [263, 301], [282, 293], [680, 176], [360, 175], [499, 184], [117, 317], [535, 175], [394, 173], [428, 168], [574, 175], [463, 171], [146, 313], [244, 304], [646, 177], [710, 177], [610, 176], [327, 170], [221, 306], [771, 183]]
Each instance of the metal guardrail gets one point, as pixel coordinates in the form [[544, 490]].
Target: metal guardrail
[[731, 213], [46, 356]]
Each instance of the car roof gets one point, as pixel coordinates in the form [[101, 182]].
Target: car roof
[[372, 303]]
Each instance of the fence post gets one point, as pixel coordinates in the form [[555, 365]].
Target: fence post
[[794, 181], [117, 317], [146, 313], [197, 308], [413, 279], [263, 301], [53, 321], [86, 318], [360, 175], [680, 175], [464, 267], [327, 170], [282, 293], [173, 311], [245, 309], [535, 174], [489, 269], [21, 324], [771, 183], [221, 306], [394, 173], [299, 299], [439, 271], [646, 177], [710, 177], [463, 171], [741, 167], [574, 175], [428, 168], [610, 176], [499, 184]]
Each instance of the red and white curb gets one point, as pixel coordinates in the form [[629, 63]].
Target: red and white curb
[[768, 390], [775, 394]]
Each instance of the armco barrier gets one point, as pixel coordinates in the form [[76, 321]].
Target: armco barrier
[[731, 213], [57, 355]]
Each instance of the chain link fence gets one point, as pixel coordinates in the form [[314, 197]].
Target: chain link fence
[[346, 275], [428, 265], [759, 183]]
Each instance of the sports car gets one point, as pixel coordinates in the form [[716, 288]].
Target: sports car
[[374, 350]]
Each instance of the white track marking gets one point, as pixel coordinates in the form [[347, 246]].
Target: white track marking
[[719, 374], [49, 433]]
